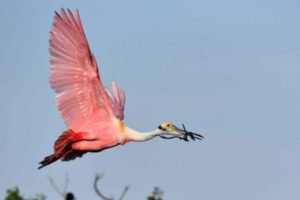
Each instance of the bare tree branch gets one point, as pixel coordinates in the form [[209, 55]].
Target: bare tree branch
[[124, 192], [66, 184], [97, 178], [101, 195], [55, 187], [61, 193]]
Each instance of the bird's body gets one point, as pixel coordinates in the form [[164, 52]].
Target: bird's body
[[92, 113]]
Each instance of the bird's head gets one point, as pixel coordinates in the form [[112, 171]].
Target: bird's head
[[167, 128]]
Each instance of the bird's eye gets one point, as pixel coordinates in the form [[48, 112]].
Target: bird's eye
[[168, 125]]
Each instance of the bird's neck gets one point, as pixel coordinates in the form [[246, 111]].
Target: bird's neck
[[133, 135]]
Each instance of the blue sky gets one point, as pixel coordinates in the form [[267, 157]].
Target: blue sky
[[227, 69]]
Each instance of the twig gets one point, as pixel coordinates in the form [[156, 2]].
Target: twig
[[66, 184], [61, 193], [101, 195], [124, 192]]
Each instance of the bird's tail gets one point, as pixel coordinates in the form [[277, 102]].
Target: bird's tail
[[48, 160], [62, 150]]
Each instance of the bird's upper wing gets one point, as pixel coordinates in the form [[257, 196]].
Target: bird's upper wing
[[75, 76]]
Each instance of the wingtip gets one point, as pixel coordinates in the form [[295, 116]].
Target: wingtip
[[77, 11], [62, 10]]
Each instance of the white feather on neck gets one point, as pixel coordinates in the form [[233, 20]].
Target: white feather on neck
[[133, 135]]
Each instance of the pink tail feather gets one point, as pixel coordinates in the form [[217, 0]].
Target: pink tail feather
[[62, 150]]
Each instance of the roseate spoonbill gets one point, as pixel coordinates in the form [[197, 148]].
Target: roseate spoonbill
[[92, 113]]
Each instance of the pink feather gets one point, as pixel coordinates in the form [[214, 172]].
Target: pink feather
[[88, 108], [74, 74]]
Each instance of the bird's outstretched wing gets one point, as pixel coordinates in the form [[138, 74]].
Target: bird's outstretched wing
[[74, 73], [116, 100]]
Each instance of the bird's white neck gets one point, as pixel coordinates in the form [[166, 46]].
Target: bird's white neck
[[133, 135]]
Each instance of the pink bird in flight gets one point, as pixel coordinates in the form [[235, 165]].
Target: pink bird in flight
[[92, 113]]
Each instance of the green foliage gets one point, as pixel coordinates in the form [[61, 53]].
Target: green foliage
[[14, 194], [156, 194]]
